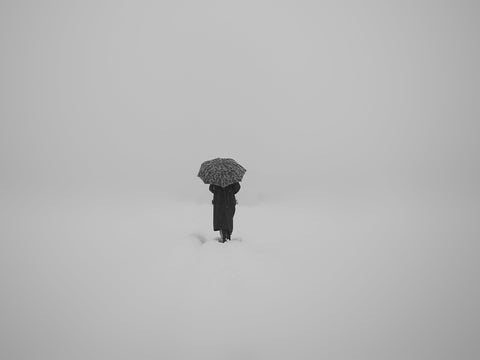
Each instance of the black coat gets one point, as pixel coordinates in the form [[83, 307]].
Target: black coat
[[224, 202]]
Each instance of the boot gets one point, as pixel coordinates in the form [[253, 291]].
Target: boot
[[222, 236]]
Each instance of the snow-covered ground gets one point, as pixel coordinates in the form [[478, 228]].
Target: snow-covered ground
[[357, 231], [393, 278]]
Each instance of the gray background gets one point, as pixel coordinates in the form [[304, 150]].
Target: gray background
[[323, 102], [98, 95]]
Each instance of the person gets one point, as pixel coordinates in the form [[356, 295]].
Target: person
[[224, 203]]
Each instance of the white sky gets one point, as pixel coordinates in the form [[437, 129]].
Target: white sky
[[135, 95]]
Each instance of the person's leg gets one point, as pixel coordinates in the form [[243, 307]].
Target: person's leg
[[230, 215], [223, 235]]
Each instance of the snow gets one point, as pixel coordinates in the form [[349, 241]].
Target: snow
[[357, 231], [91, 279]]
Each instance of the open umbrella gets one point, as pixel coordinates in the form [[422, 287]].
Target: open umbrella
[[221, 172]]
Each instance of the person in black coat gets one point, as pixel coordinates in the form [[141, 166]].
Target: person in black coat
[[224, 202]]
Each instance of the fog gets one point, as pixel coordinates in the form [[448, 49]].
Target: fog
[[134, 95], [365, 114]]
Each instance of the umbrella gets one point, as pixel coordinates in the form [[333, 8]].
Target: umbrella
[[221, 172]]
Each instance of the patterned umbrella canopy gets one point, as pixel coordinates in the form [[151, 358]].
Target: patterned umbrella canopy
[[221, 172]]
